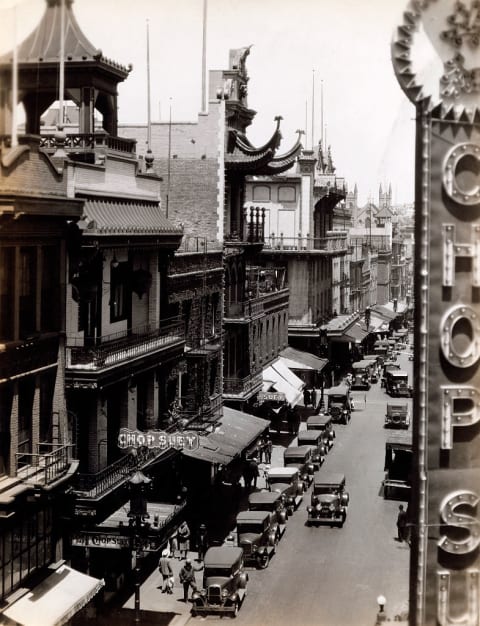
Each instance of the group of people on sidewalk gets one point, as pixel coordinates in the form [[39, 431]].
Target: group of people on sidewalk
[[180, 543]]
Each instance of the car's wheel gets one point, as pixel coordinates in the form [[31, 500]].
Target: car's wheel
[[194, 612], [263, 562]]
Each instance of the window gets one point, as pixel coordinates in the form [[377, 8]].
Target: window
[[7, 269], [119, 292], [286, 194], [261, 193], [27, 290]]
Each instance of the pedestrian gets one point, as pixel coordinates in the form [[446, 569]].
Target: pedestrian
[[174, 544], [183, 540], [254, 470], [261, 448], [247, 475], [401, 524], [290, 419], [306, 397], [268, 449], [202, 541], [166, 571], [187, 578], [313, 397]]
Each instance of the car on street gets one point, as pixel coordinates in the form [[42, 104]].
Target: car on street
[[286, 481], [339, 403], [397, 415], [314, 439], [398, 465], [329, 499], [301, 458], [224, 582], [324, 423], [361, 374], [274, 504], [396, 384], [410, 357], [257, 536]]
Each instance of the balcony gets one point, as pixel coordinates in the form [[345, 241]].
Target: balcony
[[242, 388], [118, 348], [95, 486], [20, 357], [334, 243], [198, 346], [244, 311], [47, 465], [199, 418], [249, 230], [96, 144]]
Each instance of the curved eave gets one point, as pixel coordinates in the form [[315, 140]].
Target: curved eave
[[251, 164], [43, 44], [242, 143], [284, 162]]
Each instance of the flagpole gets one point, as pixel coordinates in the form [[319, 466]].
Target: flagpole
[[321, 110], [61, 86], [313, 107], [149, 120], [14, 81], [204, 58]]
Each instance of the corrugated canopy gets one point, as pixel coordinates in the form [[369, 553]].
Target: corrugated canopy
[[114, 217], [300, 360], [355, 333], [281, 378], [55, 600]]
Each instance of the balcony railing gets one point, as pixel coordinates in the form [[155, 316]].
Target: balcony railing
[[88, 142], [334, 241], [19, 357], [242, 386], [96, 485], [46, 465], [245, 309], [206, 413], [251, 229], [122, 346]]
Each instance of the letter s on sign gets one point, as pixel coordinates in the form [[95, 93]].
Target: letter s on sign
[[468, 523]]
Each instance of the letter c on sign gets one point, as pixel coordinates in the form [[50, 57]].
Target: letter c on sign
[[468, 523], [460, 335]]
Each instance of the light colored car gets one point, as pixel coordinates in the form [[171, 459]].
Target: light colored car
[[329, 500], [286, 481]]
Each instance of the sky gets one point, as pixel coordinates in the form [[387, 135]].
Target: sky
[[342, 44]]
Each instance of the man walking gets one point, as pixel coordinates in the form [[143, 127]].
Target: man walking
[[268, 449], [187, 578], [401, 524], [165, 570]]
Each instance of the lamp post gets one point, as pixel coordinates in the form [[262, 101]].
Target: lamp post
[[138, 484], [381, 615]]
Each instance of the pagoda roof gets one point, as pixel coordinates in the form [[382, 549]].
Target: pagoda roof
[[43, 44], [242, 155]]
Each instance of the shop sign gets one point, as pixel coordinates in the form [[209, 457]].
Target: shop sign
[[113, 542], [270, 396]]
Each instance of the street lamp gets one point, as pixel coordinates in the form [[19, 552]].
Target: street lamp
[[138, 485], [381, 615]]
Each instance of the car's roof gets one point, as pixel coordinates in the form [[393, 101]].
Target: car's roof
[[309, 435], [252, 516], [264, 497], [361, 364], [338, 390], [319, 419], [328, 478], [274, 472], [296, 451], [222, 556], [397, 373]]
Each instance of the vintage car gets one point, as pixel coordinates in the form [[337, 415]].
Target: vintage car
[[410, 357], [339, 403], [396, 384], [329, 500], [398, 466], [397, 416], [224, 582], [257, 536], [361, 374], [301, 458], [314, 439], [324, 423], [274, 504], [286, 480]]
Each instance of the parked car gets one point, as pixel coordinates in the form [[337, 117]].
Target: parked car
[[410, 357], [314, 439], [300, 457], [361, 374], [324, 423], [398, 415], [257, 537], [339, 404], [286, 481], [387, 366], [398, 466], [329, 500], [274, 504], [224, 582]]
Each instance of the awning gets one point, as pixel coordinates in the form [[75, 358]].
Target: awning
[[300, 360], [235, 432], [55, 600], [356, 334], [282, 379], [378, 324]]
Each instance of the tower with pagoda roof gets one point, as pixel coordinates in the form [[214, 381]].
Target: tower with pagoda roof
[[91, 79]]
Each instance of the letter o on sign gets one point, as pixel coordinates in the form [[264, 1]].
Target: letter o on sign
[[460, 174], [459, 336]]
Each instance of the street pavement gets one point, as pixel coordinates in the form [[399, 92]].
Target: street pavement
[[320, 575]]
